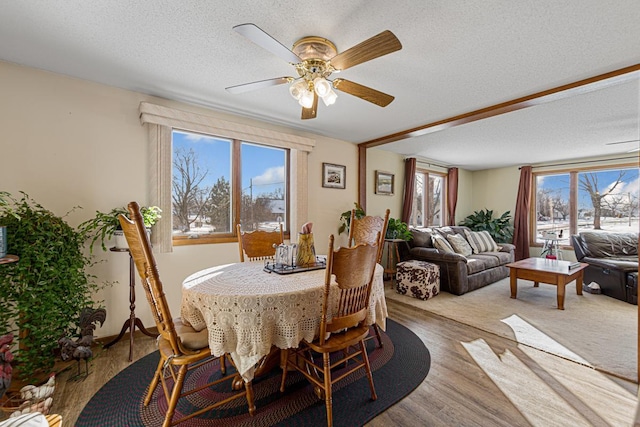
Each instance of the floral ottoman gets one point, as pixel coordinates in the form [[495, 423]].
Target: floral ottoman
[[418, 279]]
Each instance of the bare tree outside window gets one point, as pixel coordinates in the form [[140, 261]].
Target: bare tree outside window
[[599, 196]]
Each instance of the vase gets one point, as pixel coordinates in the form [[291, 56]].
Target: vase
[[306, 254]]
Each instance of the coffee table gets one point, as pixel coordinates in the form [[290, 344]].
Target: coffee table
[[552, 271]]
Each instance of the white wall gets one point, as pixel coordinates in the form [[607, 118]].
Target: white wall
[[68, 142]]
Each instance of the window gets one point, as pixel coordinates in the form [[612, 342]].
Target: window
[[161, 122], [428, 203], [220, 182], [572, 201]]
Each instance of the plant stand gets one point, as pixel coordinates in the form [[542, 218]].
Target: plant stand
[[131, 323]]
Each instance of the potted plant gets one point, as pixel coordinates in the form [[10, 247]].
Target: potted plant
[[44, 292], [500, 228], [345, 218], [105, 225], [396, 229]]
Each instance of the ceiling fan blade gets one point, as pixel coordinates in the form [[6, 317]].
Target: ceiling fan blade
[[310, 113], [246, 87], [364, 92], [264, 40], [622, 142], [379, 45]]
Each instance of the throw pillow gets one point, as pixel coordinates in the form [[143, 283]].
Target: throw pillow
[[441, 244], [459, 244], [481, 241]]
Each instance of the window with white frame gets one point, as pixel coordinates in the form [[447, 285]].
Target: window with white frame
[[428, 201], [220, 182], [570, 201]]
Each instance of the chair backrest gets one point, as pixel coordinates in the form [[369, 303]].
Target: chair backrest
[[353, 269], [140, 251], [367, 229], [258, 244]]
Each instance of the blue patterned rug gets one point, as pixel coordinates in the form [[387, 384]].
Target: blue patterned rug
[[398, 368]]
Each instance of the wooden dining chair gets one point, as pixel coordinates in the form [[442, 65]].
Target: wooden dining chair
[[369, 229], [342, 325], [181, 347], [259, 244]]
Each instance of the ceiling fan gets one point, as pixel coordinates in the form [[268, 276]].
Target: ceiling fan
[[315, 59]]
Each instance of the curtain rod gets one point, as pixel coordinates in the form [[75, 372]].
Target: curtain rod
[[581, 162], [429, 163]]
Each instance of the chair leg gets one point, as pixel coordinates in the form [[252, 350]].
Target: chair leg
[[376, 329], [367, 368], [248, 386], [285, 358], [154, 382], [175, 396], [223, 365], [327, 388]]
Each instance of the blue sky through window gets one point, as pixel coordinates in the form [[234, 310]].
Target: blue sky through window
[[559, 184], [263, 165]]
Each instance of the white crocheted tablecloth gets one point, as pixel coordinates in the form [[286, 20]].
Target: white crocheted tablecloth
[[247, 310]]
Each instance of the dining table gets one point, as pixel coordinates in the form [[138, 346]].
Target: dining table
[[250, 310]]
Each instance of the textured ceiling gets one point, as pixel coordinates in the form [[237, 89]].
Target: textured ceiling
[[457, 56]]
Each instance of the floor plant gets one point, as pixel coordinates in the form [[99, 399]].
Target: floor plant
[[44, 292]]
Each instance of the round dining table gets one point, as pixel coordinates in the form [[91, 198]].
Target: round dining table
[[248, 309]]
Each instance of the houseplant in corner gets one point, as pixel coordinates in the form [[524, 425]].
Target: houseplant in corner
[[105, 225], [44, 292], [499, 228]]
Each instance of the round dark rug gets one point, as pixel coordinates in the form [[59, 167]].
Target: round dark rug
[[398, 368]]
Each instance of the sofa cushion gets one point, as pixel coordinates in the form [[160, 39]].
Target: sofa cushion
[[610, 244], [481, 241], [459, 244], [421, 237], [441, 244]]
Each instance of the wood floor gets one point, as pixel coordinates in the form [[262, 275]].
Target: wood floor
[[466, 386]]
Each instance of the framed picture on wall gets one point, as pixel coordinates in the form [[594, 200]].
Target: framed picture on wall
[[384, 183], [333, 176]]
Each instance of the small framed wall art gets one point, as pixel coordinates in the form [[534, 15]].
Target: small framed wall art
[[384, 183], [333, 176]]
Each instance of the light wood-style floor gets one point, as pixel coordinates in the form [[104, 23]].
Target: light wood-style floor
[[457, 391]]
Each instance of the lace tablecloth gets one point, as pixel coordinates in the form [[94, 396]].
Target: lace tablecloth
[[247, 310]]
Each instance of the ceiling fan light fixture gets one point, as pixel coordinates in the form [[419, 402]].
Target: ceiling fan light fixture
[[297, 89], [330, 98], [306, 100], [322, 86]]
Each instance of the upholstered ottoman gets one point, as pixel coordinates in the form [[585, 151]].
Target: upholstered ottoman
[[418, 279]]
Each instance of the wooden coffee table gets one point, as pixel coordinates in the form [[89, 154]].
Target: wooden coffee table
[[554, 272]]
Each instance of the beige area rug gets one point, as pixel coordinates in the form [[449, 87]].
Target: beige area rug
[[594, 330]]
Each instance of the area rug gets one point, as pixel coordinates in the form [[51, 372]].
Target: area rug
[[593, 329], [398, 368]]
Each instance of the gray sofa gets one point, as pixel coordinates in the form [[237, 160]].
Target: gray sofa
[[458, 274], [613, 262]]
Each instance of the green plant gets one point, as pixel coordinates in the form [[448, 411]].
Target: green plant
[[499, 228], [102, 226], [345, 218], [44, 292], [396, 229]]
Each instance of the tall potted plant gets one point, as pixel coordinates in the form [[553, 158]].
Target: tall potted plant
[[499, 228], [44, 292]]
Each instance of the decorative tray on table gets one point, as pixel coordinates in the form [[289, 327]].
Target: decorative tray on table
[[273, 267]]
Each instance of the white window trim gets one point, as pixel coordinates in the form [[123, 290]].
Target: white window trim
[[162, 120]]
